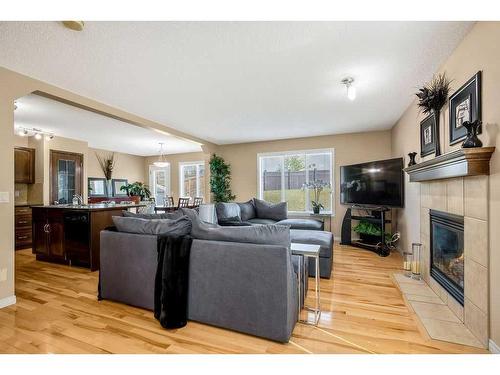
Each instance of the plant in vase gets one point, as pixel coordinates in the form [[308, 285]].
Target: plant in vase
[[431, 98], [137, 189], [107, 163], [317, 187]]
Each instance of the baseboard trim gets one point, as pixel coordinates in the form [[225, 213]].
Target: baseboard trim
[[494, 348], [7, 301]]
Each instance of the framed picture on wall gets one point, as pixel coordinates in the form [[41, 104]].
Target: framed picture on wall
[[427, 136], [465, 105], [116, 184], [97, 187]]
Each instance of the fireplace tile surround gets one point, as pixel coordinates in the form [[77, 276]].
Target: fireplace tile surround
[[467, 196]]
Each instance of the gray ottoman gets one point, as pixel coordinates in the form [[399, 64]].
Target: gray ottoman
[[315, 237]]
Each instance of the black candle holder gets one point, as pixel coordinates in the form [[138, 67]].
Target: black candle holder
[[471, 139]]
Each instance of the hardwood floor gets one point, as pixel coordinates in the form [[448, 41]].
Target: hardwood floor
[[363, 312]]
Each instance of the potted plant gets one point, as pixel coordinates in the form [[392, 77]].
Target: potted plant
[[317, 187], [220, 180], [137, 190]]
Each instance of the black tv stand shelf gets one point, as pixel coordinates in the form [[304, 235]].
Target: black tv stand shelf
[[375, 215]]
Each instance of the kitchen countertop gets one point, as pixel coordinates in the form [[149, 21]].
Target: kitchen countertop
[[94, 206]]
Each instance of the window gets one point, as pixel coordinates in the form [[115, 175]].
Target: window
[[159, 183], [283, 177], [192, 179]]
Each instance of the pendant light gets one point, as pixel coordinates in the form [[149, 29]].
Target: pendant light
[[161, 163]]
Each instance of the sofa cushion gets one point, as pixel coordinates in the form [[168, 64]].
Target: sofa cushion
[[247, 210], [167, 215], [314, 237], [259, 221], [266, 210], [260, 234], [306, 224], [178, 227], [227, 211]]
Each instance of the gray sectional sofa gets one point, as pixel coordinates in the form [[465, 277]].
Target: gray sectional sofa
[[244, 279], [259, 212]]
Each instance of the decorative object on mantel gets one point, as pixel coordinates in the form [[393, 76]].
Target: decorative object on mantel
[[415, 264], [472, 140], [465, 105], [459, 163], [431, 98], [412, 159], [427, 136]]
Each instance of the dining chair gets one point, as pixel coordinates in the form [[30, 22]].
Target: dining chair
[[183, 202], [197, 201]]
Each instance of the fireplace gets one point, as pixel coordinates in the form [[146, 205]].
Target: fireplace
[[447, 252]]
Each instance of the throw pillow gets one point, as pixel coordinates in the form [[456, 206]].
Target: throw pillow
[[266, 210], [247, 210], [178, 227], [227, 210]]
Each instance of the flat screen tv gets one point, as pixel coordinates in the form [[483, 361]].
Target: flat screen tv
[[376, 183]]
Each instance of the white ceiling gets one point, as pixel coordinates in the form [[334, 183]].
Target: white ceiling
[[99, 131], [230, 82]]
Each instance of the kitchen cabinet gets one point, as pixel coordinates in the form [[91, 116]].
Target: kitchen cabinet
[[22, 225], [24, 165], [71, 234]]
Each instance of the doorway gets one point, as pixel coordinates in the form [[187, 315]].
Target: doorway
[[66, 176]]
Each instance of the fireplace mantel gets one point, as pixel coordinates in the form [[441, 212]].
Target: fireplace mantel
[[460, 163]]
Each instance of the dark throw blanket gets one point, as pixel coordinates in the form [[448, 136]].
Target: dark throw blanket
[[171, 281]]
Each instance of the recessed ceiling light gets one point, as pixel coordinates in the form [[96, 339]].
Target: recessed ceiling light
[[74, 25], [351, 90]]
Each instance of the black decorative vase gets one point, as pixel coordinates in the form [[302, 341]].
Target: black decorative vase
[[436, 132], [472, 140], [316, 210], [412, 159]]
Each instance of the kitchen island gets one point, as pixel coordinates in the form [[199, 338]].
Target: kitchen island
[[70, 234]]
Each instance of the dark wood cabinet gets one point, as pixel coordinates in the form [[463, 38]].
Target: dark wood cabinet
[[22, 227], [71, 235], [48, 234], [24, 165]]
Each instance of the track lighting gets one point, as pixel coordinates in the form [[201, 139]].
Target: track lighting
[[38, 134]]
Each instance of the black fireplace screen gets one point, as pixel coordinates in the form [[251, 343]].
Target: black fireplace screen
[[447, 252]]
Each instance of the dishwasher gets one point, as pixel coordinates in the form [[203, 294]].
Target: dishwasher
[[77, 237]]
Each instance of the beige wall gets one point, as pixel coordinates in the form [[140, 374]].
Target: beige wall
[[130, 167], [349, 149], [174, 161], [479, 50]]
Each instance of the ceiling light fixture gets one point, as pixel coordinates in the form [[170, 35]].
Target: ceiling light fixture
[[38, 134], [74, 25], [161, 162], [351, 90]]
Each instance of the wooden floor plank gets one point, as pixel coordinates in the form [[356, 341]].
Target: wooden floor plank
[[362, 312]]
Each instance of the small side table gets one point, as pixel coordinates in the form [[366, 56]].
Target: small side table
[[323, 217], [309, 251]]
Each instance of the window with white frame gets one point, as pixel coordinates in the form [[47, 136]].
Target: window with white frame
[[192, 179], [289, 177], [159, 183]]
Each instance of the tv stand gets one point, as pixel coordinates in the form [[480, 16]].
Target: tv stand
[[373, 214]]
